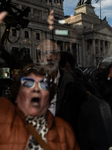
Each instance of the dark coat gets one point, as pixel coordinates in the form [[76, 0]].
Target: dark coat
[[95, 125], [70, 96]]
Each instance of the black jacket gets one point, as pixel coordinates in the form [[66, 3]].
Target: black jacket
[[95, 125], [90, 117], [70, 96]]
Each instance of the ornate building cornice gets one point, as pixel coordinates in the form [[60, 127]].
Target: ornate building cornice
[[41, 3]]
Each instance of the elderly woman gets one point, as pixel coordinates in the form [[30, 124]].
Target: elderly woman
[[31, 93]]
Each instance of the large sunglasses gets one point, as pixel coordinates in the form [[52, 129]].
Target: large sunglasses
[[30, 83]]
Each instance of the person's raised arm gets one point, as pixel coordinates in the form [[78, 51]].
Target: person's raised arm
[[50, 19], [2, 15]]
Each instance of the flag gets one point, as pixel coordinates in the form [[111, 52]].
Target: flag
[[96, 1]]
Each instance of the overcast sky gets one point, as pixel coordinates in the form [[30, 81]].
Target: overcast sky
[[106, 8]]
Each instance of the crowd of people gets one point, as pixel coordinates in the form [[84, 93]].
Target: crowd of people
[[53, 105]]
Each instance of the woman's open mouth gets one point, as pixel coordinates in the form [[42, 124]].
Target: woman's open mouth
[[35, 101]]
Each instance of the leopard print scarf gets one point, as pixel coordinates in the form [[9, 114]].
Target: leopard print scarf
[[40, 125]]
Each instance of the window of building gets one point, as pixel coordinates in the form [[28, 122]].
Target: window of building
[[101, 42], [89, 43], [78, 55], [27, 51], [101, 50], [58, 1], [37, 36], [36, 13], [88, 49], [61, 47], [14, 51], [57, 18], [14, 32], [38, 55], [68, 48], [26, 34], [14, 48], [96, 42], [106, 43]]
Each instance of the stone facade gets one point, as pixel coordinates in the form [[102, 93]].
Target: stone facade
[[89, 39], [95, 35], [38, 27]]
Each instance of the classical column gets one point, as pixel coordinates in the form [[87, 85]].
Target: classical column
[[52, 2], [98, 50], [33, 51], [71, 47], [48, 2], [83, 52], [61, 3], [108, 45], [86, 53], [94, 53], [80, 59], [63, 46], [99, 47], [104, 48], [31, 11], [77, 54]]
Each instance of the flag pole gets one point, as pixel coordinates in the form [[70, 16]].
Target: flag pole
[[100, 10]]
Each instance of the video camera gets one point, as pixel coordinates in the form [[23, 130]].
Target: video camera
[[14, 19]]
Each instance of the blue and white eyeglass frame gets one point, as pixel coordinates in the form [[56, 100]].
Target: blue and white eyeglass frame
[[28, 82]]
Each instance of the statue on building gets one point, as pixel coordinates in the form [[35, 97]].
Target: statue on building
[[104, 18], [81, 2], [88, 2]]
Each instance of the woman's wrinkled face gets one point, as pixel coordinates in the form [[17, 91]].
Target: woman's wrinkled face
[[33, 101]]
